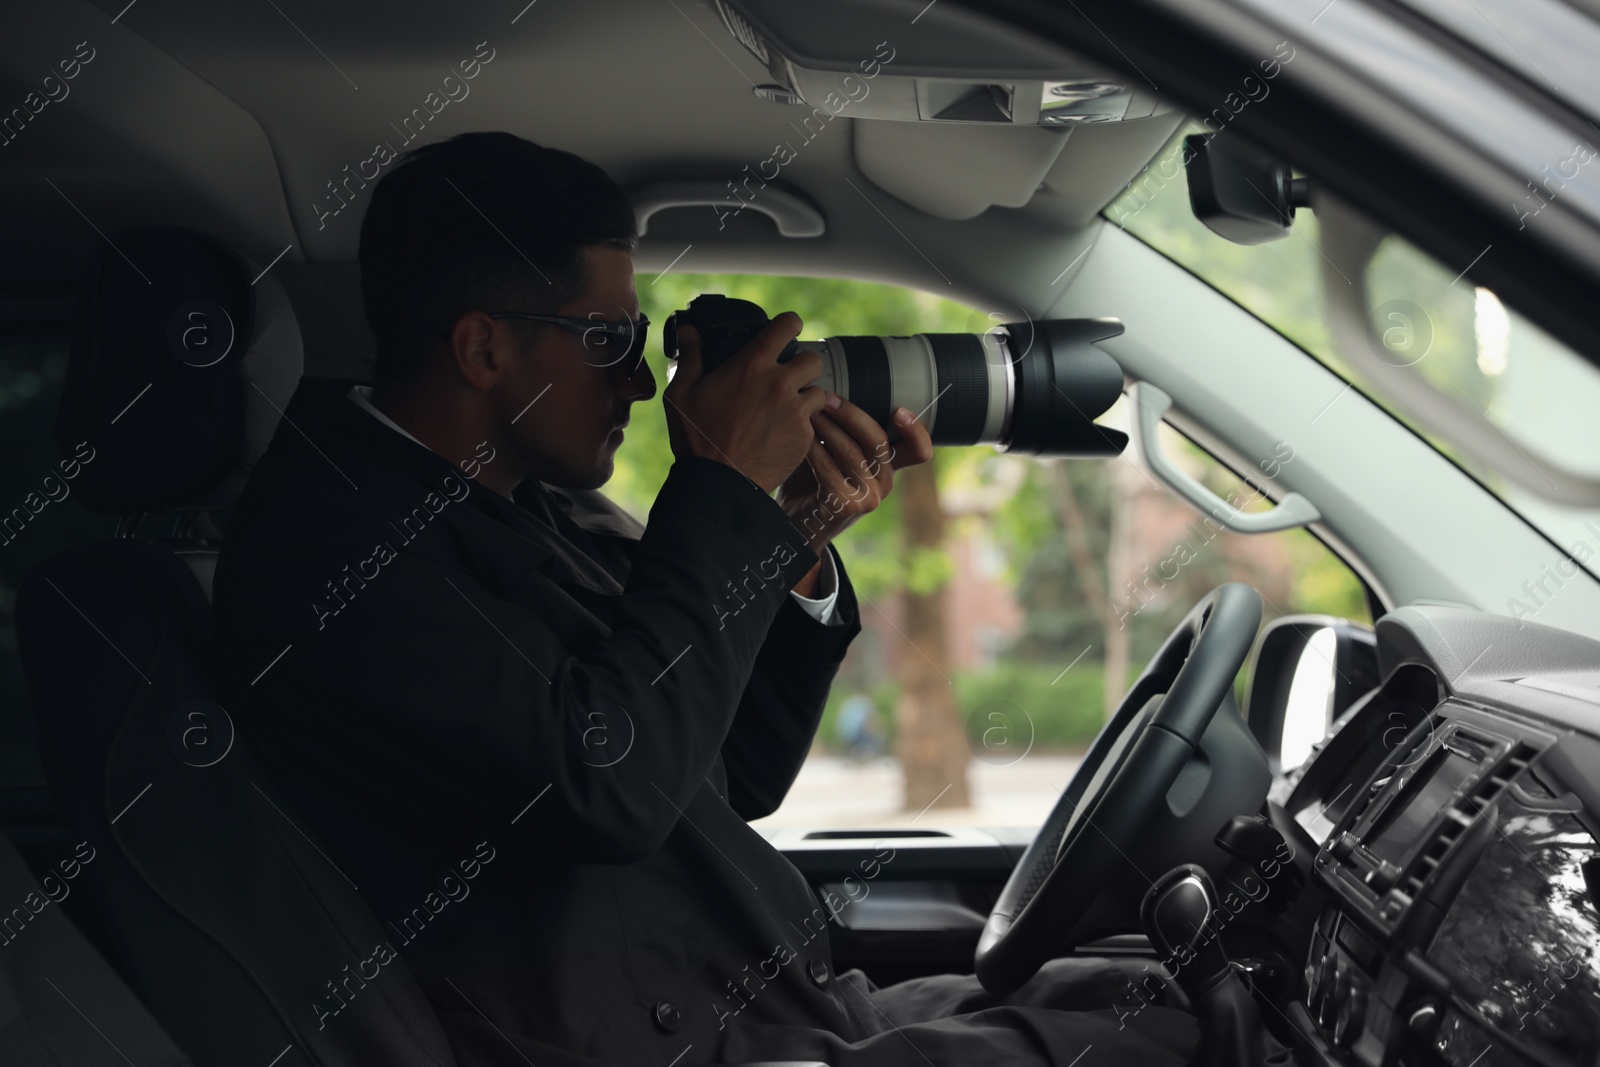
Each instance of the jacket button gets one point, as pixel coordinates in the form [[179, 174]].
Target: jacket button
[[819, 973], [667, 1017]]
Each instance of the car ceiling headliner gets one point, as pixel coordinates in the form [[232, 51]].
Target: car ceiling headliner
[[233, 117]]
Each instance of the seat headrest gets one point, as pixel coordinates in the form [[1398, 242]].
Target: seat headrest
[[181, 366]]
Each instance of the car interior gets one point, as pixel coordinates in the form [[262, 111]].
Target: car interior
[[1387, 851]]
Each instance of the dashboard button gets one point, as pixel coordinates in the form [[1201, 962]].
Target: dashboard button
[[1338, 989], [1352, 1016], [1382, 877], [1319, 952], [1330, 975], [1423, 1022], [1324, 983]]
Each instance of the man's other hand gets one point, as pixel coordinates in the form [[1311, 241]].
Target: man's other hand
[[849, 469]]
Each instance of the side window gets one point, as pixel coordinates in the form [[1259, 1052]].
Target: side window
[[31, 376], [1111, 560], [1006, 602]]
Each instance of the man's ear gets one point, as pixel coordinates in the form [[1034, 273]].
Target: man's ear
[[472, 343]]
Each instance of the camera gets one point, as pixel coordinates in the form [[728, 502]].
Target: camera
[[1034, 388]]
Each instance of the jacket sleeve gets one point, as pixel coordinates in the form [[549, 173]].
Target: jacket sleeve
[[782, 706], [468, 711]]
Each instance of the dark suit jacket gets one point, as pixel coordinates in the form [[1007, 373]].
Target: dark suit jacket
[[531, 734]]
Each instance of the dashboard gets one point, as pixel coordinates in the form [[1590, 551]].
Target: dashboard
[[1454, 814]]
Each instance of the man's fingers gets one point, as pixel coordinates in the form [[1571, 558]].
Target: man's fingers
[[688, 355], [825, 469], [842, 448], [871, 438], [915, 445], [816, 400], [806, 367], [765, 346]]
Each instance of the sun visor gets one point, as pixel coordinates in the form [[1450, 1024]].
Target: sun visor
[[926, 63], [956, 173]]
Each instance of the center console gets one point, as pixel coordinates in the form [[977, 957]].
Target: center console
[[1459, 867], [1404, 843]]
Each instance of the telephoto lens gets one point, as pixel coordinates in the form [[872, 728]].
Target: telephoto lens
[[1033, 388]]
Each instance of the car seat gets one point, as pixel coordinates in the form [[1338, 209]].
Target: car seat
[[223, 914]]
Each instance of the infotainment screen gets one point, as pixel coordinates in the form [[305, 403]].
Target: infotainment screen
[[1370, 735], [1435, 784]]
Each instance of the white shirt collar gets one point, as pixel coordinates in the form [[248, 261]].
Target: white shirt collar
[[360, 393]]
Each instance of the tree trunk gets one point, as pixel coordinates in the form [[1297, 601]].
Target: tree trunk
[[932, 739], [1118, 570]]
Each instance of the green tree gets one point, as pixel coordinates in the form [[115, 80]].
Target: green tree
[[1062, 586]]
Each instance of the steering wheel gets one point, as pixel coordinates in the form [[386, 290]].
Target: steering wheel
[[1163, 775]]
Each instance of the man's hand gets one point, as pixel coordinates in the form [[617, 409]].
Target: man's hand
[[847, 472], [751, 412]]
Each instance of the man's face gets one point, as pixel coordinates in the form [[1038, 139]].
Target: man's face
[[568, 398]]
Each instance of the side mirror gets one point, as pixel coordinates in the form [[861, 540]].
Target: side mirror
[[1304, 671], [1240, 193]]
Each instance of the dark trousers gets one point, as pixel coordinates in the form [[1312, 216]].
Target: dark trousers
[[1076, 1012]]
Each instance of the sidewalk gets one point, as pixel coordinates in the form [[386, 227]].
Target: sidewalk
[[831, 793]]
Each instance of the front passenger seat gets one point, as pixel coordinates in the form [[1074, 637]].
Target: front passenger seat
[[60, 1002]]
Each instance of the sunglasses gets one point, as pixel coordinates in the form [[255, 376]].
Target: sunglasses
[[608, 343]]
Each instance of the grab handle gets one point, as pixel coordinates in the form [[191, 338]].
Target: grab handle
[[794, 215], [1150, 404]]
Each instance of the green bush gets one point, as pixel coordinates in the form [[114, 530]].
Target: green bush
[[1059, 710], [1004, 706]]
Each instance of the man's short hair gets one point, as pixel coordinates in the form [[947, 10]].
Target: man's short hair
[[483, 221]]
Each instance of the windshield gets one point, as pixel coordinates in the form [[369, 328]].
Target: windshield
[[1527, 386]]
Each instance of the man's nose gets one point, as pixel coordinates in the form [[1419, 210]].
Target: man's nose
[[639, 383]]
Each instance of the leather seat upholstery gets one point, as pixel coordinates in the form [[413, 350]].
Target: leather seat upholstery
[[226, 918]]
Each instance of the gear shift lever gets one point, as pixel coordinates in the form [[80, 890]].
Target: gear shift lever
[[1180, 916]]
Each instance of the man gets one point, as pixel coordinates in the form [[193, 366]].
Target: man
[[488, 689]]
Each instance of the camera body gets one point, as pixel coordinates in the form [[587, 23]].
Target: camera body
[[725, 325], [1029, 387]]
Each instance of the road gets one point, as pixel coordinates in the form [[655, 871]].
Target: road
[[834, 794]]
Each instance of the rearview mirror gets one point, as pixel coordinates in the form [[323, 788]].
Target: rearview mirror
[[1240, 193], [1304, 671]]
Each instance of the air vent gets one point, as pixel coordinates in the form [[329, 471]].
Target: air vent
[[1491, 785], [1459, 816]]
